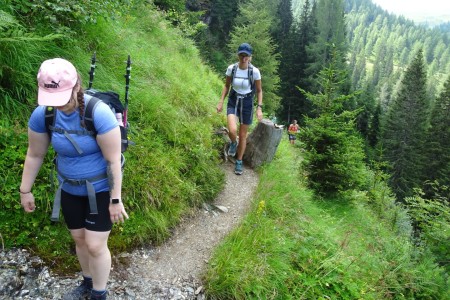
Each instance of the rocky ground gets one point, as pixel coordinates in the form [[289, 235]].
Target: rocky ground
[[171, 271]]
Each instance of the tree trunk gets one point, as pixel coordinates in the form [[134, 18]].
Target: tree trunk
[[262, 143]]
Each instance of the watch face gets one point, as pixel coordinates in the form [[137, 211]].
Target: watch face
[[115, 201]]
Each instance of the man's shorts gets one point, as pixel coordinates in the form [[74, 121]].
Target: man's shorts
[[77, 215], [292, 137], [241, 107]]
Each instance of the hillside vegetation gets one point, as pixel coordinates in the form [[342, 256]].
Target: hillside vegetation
[[295, 245]]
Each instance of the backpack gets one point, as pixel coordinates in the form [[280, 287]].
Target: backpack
[[91, 101], [293, 128], [110, 98], [250, 76]]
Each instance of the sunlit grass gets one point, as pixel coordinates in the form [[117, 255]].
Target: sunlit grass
[[293, 245]]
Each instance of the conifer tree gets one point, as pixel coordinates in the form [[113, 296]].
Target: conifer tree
[[366, 102], [374, 129], [257, 34], [283, 35], [331, 33], [283, 19], [293, 67], [223, 13], [438, 140], [405, 128], [334, 151]]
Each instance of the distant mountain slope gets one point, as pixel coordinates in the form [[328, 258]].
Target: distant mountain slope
[[389, 42]]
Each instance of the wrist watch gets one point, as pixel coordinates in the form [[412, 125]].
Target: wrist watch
[[115, 201]]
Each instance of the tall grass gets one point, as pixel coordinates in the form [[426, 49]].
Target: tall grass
[[21, 51], [294, 246]]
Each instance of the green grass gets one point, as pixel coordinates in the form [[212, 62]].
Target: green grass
[[294, 246]]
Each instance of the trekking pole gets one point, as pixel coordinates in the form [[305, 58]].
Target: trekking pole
[[127, 85], [92, 71]]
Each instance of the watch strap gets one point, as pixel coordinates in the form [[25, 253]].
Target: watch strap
[[115, 201]]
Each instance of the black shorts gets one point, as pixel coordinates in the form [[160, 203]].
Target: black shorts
[[77, 215], [242, 108]]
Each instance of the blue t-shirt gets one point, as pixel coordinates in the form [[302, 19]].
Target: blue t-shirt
[[70, 163]]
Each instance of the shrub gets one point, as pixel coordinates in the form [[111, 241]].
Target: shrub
[[431, 219]]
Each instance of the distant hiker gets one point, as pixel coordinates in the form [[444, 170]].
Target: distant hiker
[[292, 131], [97, 169], [245, 80]]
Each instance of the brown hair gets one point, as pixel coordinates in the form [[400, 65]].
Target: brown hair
[[80, 99]]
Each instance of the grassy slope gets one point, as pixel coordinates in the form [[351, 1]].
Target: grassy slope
[[173, 95], [293, 246]]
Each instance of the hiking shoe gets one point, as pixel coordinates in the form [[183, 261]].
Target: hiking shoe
[[238, 167], [97, 295], [233, 148], [81, 292]]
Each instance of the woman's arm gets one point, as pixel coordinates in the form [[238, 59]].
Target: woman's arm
[[225, 90], [37, 149], [259, 97], [110, 144]]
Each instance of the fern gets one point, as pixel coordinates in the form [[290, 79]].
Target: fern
[[12, 31], [6, 20]]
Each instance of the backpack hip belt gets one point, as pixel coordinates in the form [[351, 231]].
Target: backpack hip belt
[[90, 189], [244, 95], [233, 93]]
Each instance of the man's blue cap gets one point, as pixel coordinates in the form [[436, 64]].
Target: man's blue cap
[[245, 48]]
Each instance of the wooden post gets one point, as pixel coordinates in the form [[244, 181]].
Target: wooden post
[[262, 143]]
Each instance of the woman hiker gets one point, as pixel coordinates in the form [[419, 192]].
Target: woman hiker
[[97, 159], [245, 81]]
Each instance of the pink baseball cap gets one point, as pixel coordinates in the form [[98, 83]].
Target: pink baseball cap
[[56, 79]]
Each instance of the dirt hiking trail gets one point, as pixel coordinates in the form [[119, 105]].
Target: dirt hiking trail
[[181, 260]]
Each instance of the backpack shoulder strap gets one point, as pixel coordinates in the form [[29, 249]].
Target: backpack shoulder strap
[[250, 77], [90, 105], [233, 72], [50, 117]]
